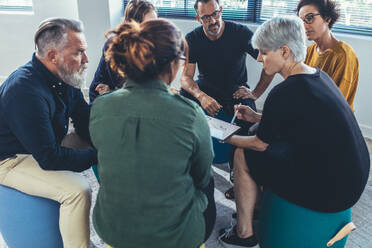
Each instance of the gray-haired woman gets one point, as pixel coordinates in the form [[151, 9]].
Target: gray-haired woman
[[308, 153]]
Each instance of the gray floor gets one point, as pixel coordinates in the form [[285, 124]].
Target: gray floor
[[361, 212]]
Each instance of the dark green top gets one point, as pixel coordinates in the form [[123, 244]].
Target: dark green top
[[155, 154]]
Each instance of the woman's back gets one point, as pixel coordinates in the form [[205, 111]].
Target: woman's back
[[329, 152], [152, 166]]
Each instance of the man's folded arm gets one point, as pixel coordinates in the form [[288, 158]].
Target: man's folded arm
[[29, 119]]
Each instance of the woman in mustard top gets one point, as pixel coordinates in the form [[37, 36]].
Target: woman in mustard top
[[336, 58]]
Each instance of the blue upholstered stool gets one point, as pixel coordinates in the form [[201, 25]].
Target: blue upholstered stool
[[221, 150], [28, 221], [284, 224]]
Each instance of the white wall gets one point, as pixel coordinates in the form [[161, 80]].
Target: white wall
[[16, 42], [96, 22], [17, 31], [16, 34]]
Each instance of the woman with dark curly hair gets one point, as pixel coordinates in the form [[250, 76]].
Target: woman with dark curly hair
[[105, 80], [336, 58], [154, 147]]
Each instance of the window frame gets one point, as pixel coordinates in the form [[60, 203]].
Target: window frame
[[16, 8], [252, 14]]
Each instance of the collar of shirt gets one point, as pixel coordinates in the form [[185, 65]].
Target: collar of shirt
[[150, 84], [54, 83]]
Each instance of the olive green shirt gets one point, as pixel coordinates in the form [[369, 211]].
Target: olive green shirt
[[155, 154]]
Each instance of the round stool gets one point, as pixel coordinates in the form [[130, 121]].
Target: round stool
[[27, 220], [284, 224], [221, 150], [95, 171]]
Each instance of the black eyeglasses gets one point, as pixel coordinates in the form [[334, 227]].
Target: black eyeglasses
[[309, 18], [208, 18]]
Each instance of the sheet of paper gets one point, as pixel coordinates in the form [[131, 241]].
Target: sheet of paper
[[221, 129]]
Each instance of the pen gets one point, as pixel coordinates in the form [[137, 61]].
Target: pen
[[235, 113]]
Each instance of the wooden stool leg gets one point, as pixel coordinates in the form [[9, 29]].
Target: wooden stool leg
[[342, 233]]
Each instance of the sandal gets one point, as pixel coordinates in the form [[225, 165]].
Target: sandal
[[229, 194]]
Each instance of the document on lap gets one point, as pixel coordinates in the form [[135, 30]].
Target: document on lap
[[221, 130]]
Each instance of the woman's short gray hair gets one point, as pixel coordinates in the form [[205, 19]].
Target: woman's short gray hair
[[52, 34], [280, 31]]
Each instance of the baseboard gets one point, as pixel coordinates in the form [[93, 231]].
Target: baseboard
[[366, 131]]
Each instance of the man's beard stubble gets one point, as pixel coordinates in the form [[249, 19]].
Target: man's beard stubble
[[218, 25], [75, 79]]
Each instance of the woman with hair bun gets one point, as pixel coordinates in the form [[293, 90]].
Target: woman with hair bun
[[154, 147]]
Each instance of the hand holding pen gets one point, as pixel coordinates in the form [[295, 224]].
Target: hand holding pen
[[244, 112], [235, 113]]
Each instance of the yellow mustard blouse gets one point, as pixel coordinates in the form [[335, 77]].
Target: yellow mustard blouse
[[341, 64]]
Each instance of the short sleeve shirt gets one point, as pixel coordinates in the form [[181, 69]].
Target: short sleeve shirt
[[222, 62]]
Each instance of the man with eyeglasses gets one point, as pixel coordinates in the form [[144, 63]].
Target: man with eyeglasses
[[37, 155], [219, 49]]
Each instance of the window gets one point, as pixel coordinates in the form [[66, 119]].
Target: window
[[15, 5], [356, 15]]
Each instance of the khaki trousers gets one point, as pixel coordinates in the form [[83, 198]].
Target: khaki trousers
[[70, 189]]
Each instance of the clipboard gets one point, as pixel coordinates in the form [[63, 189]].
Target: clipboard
[[221, 130]]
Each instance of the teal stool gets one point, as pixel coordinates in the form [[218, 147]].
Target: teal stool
[[95, 170], [221, 150], [284, 224]]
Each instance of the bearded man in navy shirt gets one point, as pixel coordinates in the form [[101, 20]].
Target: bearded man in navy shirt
[[37, 155]]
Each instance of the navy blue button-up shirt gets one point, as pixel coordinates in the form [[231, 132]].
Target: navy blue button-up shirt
[[35, 107]]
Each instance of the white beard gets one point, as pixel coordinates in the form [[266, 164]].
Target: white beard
[[75, 79]]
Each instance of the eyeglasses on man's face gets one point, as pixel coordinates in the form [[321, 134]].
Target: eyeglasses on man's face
[[309, 18], [208, 18]]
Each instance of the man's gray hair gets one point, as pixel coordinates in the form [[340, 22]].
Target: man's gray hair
[[52, 34], [280, 31]]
